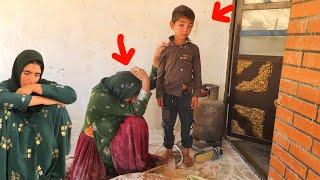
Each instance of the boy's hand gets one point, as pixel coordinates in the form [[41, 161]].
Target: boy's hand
[[194, 102], [160, 102], [156, 56]]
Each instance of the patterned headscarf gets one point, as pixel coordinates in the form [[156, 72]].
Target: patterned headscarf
[[123, 85]]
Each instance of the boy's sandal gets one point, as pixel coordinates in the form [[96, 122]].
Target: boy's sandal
[[208, 155]]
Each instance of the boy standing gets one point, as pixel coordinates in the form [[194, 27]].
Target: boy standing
[[179, 81]]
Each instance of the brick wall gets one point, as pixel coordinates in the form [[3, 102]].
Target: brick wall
[[296, 142]]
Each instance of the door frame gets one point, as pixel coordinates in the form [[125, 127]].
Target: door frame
[[234, 39]]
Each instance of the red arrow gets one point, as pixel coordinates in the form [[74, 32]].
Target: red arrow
[[124, 57], [219, 14]]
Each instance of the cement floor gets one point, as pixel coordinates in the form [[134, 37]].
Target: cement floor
[[230, 167]]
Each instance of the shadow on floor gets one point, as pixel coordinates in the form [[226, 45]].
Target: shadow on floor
[[256, 154]]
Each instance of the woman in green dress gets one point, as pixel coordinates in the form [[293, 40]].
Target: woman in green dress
[[34, 124], [115, 136]]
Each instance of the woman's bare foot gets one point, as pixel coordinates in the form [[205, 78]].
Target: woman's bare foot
[[167, 155], [154, 160], [187, 160]]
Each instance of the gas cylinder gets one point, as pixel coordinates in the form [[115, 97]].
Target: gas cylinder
[[209, 120]]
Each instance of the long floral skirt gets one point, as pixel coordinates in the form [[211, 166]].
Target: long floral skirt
[[129, 149]]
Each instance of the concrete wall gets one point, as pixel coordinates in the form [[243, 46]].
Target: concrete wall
[[77, 38]]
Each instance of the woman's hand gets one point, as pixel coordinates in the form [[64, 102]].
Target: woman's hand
[[139, 73], [158, 51], [25, 90], [142, 76], [47, 101], [39, 100], [29, 89]]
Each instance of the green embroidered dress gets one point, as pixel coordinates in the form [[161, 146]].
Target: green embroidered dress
[[33, 140], [107, 110]]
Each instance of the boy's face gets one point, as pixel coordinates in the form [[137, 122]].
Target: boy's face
[[182, 28]]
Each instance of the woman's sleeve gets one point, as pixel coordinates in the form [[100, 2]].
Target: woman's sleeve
[[11, 100], [64, 94], [113, 105], [153, 77]]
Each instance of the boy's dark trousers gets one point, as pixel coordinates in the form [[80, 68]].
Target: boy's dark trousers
[[173, 105]]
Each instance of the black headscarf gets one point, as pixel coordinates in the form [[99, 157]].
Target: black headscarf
[[24, 58], [123, 85]]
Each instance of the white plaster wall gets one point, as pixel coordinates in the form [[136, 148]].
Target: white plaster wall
[[77, 38]]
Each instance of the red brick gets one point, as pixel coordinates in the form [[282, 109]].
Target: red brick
[[288, 86], [292, 57], [310, 8], [303, 42], [281, 140], [316, 148], [307, 126], [291, 175], [311, 43], [318, 116], [311, 60], [312, 176], [299, 106], [298, 26], [290, 161], [273, 175], [284, 114], [277, 165], [306, 157], [294, 42], [293, 134], [314, 24], [309, 93], [303, 75]]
